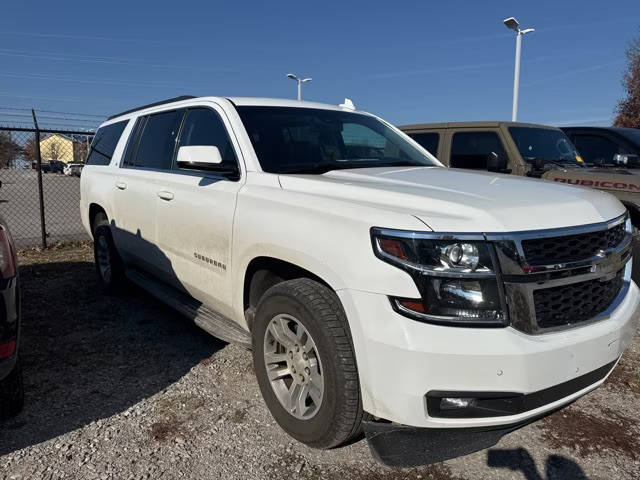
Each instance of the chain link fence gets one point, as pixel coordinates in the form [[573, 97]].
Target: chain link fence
[[40, 191]]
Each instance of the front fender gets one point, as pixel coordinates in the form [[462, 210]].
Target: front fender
[[330, 238]]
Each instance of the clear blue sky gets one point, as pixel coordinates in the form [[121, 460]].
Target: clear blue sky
[[422, 61]]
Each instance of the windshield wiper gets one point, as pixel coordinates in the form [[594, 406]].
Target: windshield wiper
[[536, 161], [311, 169]]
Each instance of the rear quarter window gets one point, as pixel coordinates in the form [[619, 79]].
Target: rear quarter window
[[104, 143]]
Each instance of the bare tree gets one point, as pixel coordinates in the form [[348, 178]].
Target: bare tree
[[54, 152], [628, 109], [9, 150], [79, 151], [30, 150]]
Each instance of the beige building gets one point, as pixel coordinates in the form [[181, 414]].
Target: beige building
[[62, 148]]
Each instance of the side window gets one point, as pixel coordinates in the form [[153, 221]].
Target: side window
[[429, 141], [104, 143], [132, 145], [471, 149], [158, 140], [203, 126], [595, 148]]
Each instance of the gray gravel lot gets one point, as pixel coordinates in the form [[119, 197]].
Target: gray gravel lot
[[20, 206], [122, 387]]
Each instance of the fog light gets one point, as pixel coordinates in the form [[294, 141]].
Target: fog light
[[451, 403]]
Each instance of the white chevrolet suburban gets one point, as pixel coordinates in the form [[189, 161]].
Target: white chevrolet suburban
[[435, 309]]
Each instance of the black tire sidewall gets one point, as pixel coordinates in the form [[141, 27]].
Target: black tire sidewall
[[12, 392], [317, 428], [102, 229]]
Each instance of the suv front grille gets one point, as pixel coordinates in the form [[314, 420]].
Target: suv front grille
[[571, 248], [576, 302]]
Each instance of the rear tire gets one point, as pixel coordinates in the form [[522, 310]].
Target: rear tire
[[11, 393], [109, 266], [301, 326]]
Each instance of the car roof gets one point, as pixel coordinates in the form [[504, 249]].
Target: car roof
[[610, 129], [186, 100], [280, 102], [484, 124]]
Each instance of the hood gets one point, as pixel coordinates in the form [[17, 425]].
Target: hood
[[453, 200]]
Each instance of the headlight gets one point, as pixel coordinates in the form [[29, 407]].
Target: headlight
[[455, 275]]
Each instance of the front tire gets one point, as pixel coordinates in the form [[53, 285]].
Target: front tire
[[305, 364], [107, 260], [11, 393]]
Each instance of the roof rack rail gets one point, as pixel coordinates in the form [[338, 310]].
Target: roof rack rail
[[161, 102]]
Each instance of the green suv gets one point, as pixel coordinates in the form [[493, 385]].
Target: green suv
[[524, 149]]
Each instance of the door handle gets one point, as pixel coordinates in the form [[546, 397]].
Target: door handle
[[121, 185], [163, 194]]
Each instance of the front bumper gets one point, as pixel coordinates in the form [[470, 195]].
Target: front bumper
[[400, 360], [403, 446], [7, 365]]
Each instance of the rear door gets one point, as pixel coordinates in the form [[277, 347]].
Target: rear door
[[195, 210], [149, 153]]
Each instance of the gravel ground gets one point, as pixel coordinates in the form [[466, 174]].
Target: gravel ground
[[122, 387], [20, 207]]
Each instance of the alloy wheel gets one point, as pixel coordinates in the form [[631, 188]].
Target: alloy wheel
[[293, 366]]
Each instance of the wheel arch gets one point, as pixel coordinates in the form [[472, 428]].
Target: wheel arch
[[94, 209], [262, 272]]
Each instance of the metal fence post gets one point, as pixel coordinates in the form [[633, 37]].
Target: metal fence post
[[40, 192]]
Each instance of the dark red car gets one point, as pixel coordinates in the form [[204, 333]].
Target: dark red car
[[11, 390]]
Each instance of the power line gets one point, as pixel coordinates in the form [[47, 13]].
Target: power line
[[38, 76], [53, 111], [14, 114], [50, 120], [67, 119]]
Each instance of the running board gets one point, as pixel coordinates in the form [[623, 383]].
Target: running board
[[209, 320]]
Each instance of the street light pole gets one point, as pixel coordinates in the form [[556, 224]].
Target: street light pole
[[300, 82], [512, 24], [516, 79]]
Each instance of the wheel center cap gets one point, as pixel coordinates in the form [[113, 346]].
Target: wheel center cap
[[299, 366]]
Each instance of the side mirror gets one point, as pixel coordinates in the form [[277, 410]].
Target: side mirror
[[202, 157], [495, 163], [628, 160]]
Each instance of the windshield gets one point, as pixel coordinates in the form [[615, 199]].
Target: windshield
[[546, 145], [311, 140], [631, 134]]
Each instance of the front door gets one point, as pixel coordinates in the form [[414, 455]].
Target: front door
[[195, 211]]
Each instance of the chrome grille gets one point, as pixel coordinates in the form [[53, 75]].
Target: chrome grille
[[562, 278], [575, 303], [571, 248]]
